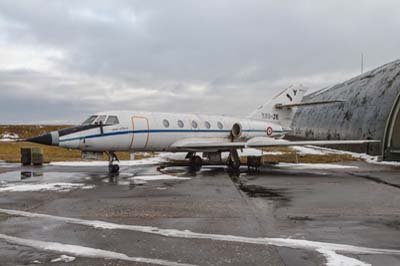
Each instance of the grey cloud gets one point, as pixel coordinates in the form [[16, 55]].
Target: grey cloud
[[188, 55]]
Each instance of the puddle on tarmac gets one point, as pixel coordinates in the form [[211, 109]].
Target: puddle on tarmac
[[41, 176], [256, 191], [241, 180]]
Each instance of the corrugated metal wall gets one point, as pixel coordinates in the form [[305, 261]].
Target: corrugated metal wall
[[369, 99]]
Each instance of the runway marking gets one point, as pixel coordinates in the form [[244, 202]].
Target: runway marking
[[327, 249], [86, 252]]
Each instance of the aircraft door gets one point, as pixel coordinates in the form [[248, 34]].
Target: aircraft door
[[140, 136]]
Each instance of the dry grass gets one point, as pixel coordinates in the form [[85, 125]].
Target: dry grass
[[291, 156]]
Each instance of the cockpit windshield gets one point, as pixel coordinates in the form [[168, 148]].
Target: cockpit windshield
[[89, 120], [101, 119]]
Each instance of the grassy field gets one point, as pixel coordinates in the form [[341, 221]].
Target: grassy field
[[10, 151], [291, 156]]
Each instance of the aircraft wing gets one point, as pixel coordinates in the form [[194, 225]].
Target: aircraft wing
[[263, 142], [204, 144]]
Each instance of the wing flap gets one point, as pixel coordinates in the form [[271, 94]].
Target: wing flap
[[207, 144]]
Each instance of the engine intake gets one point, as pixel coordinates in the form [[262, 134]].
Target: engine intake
[[236, 130], [250, 129]]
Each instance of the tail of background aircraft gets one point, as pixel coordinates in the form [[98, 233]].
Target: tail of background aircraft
[[282, 107]]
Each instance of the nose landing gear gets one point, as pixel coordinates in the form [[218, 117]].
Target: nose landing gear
[[112, 168]]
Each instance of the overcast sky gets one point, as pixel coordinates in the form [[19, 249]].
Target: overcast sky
[[62, 60]]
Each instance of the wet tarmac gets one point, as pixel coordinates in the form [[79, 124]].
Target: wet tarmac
[[66, 215]]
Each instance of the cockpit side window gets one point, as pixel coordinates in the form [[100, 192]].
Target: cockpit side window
[[112, 120], [101, 119], [89, 120]]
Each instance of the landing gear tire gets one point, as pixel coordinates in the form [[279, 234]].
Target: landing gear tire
[[196, 162], [113, 168], [234, 160], [233, 165]]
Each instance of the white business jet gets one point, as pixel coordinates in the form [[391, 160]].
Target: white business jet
[[133, 131]]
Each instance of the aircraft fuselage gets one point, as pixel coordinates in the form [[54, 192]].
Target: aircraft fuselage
[[148, 131]]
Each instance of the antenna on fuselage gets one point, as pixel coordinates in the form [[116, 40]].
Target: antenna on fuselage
[[362, 63]]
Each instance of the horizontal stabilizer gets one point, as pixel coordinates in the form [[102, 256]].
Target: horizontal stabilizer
[[280, 106]]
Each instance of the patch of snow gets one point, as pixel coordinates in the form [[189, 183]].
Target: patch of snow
[[327, 249], [250, 152], [314, 166], [36, 262], [273, 153], [9, 137], [85, 252], [174, 155], [159, 177], [63, 258], [303, 150], [59, 187], [334, 259], [7, 140]]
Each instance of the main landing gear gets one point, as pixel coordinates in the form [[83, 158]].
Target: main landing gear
[[112, 168], [234, 160], [195, 161]]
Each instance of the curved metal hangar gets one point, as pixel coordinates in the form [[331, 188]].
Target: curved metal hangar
[[371, 109]]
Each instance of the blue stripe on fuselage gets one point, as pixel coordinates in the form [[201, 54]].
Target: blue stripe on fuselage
[[164, 131]]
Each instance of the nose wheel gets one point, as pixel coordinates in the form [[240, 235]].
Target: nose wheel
[[113, 168]]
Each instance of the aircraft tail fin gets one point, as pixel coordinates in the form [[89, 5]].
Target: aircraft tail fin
[[282, 107]]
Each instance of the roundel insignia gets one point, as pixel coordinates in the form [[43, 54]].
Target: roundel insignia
[[269, 131]]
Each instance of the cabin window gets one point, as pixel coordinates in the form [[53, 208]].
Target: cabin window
[[180, 124], [165, 123], [194, 124], [112, 120], [89, 120], [207, 124], [220, 125]]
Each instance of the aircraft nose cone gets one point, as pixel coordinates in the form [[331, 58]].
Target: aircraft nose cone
[[45, 139]]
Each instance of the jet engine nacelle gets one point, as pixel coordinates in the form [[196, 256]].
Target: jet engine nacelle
[[245, 130]]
